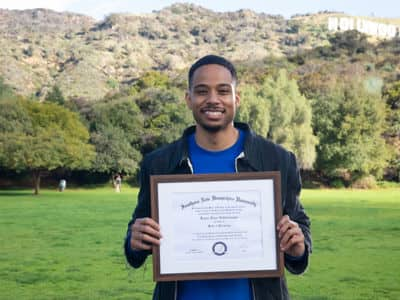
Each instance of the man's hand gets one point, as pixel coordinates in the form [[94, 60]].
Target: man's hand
[[291, 237], [145, 233]]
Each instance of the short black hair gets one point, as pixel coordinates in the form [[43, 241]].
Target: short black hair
[[212, 60]]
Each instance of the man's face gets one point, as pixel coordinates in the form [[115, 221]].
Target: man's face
[[212, 97]]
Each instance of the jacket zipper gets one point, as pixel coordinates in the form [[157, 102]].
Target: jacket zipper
[[252, 289], [241, 155], [176, 290], [190, 165]]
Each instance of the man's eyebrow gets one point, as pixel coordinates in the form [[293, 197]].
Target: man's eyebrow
[[224, 85], [200, 86]]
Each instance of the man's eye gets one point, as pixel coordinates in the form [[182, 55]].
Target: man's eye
[[224, 92], [201, 92]]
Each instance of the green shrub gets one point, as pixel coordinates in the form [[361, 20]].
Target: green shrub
[[337, 183], [368, 182]]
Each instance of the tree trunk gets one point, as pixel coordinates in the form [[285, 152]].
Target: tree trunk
[[36, 181]]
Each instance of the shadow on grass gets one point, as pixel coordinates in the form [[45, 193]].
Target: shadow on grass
[[101, 186], [14, 193]]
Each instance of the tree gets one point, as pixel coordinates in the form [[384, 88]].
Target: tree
[[350, 121], [120, 112], [55, 96], [254, 110], [391, 94], [165, 116], [151, 79], [278, 111], [44, 138], [116, 132], [290, 118], [114, 153], [352, 41]]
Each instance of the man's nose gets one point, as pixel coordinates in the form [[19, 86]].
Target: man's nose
[[213, 96]]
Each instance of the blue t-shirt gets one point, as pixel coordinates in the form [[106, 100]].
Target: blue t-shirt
[[205, 161]]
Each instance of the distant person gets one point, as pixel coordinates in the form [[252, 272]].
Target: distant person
[[217, 144], [62, 185], [117, 183]]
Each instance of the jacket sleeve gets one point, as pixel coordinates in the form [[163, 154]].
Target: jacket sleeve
[[296, 212], [137, 257]]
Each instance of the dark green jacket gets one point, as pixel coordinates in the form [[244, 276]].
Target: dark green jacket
[[259, 154]]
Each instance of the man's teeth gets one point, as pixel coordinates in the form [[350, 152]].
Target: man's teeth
[[213, 113]]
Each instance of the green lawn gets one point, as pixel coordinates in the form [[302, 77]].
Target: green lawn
[[69, 246]]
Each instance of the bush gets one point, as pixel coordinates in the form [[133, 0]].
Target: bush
[[337, 183], [388, 184], [368, 182]]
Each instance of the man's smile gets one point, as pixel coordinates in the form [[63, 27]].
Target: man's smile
[[213, 111]]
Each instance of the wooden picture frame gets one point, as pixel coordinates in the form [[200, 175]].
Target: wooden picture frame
[[217, 225]]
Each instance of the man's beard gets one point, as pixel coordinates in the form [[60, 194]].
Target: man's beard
[[210, 128]]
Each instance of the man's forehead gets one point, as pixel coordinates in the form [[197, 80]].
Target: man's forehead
[[210, 70], [212, 75]]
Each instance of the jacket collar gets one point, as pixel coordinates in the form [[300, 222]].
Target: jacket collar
[[182, 152], [250, 151]]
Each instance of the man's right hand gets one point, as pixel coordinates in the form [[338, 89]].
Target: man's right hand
[[145, 233]]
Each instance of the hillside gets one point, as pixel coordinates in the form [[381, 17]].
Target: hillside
[[88, 59]]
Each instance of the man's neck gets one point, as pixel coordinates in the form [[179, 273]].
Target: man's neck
[[216, 141]]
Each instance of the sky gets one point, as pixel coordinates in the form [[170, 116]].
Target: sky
[[101, 8]]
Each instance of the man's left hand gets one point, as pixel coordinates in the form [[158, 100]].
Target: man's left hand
[[291, 237]]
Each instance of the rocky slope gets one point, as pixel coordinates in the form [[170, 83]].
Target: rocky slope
[[85, 58]]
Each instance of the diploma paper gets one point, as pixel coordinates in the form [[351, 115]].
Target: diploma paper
[[217, 226]]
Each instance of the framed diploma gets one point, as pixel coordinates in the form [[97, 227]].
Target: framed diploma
[[217, 226]]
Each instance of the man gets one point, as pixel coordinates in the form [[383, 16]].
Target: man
[[62, 185], [218, 145], [117, 183]]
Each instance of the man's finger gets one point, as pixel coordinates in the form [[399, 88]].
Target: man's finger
[[150, 222], [146, 229], [146, 221], [146, 225], [291, 238], [285, 219], [288, 235], [149, 239], [139, 245]]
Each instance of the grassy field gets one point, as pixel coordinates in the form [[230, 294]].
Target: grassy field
[[69, 246]]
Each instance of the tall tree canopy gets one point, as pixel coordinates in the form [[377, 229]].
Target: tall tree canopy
[[254, 110], [350, 122], [40, 137], [116, 132], [391, 94], [125, 127], [165, 116], [279, 111]]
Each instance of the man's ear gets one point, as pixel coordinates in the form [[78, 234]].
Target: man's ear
[[237, 98], [188, 99]]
